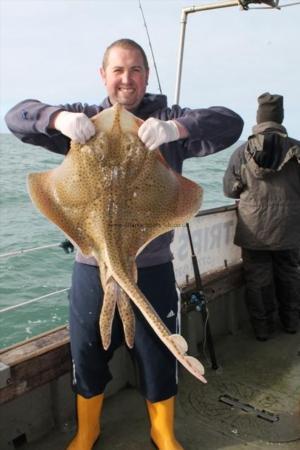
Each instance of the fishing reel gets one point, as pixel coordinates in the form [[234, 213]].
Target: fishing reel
[[193, 301]]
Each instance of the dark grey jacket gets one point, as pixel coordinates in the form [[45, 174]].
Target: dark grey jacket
[[210, 130], [264, 174]]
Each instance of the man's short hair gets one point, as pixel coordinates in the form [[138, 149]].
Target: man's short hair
[[127, 44]]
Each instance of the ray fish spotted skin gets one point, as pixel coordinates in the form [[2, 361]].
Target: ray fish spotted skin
[[111, 197]]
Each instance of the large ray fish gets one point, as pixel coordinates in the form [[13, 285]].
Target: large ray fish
[[112, 196]]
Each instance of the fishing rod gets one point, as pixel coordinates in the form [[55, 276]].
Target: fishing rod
[[197, 301]]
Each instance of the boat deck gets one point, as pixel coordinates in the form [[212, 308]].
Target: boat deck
[[252, 401]]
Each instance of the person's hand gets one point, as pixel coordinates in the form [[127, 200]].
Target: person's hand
[[77, 126], [154, 132]]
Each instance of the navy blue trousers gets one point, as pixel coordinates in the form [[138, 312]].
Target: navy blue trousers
[[157, 366]]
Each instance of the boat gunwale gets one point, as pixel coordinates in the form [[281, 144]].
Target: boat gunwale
[[46, 357]]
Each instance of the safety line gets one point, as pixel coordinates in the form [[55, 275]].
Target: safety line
[[27, 250], [10, 308]]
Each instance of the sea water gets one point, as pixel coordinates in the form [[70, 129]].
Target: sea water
[[31, 275]]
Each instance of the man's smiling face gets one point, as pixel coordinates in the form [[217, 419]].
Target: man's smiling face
[[125, 77]]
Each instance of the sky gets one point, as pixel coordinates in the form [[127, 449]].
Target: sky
[[51, 50]]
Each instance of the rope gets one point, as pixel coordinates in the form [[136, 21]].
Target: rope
[[150, 45], [10, 308]]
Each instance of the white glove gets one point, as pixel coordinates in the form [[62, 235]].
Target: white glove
[[77, 126], [154, 132]]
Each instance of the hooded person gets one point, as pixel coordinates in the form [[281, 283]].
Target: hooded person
[[264, 174]]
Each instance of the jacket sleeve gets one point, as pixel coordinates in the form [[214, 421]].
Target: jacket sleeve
[[232, 180], [210, 130], [29, 121]]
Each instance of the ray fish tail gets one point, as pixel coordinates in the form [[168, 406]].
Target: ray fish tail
[[176, 344]]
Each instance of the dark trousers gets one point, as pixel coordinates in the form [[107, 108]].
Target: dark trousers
[[273, 281], [157, 366]]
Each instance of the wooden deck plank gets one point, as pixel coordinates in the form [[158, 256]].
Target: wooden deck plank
[[36, 346]]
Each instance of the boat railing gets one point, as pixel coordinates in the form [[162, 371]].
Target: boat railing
[[243, 4], [33, 300], [67, 247], [22, 251]]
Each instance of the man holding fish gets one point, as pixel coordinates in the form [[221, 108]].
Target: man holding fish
[[180, 133]]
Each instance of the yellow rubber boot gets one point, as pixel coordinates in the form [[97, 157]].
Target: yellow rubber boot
[[162, 424], [88, 422]]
